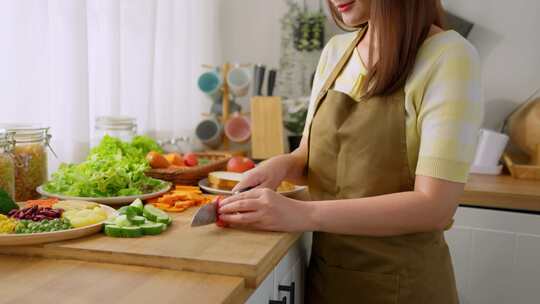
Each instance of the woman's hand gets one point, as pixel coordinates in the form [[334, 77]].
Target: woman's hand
[[264, 209], [268, 174]]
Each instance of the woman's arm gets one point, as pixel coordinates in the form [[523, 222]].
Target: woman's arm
[[429, 207]]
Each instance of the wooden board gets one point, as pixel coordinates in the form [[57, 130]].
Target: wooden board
[[502, 191], [35, 280], [209, 249], [266, 127]]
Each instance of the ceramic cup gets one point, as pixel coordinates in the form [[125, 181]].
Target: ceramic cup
[[210, 83], [238, 80], [210, 132], [490, 148], [238, 128]]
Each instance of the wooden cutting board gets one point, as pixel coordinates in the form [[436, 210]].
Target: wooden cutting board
[[207, 249], [35, 280], [266, 127]]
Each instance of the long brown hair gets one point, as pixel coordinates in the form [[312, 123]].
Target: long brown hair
[[402, 26]]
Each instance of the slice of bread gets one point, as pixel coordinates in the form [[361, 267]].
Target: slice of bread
[[224, 180]]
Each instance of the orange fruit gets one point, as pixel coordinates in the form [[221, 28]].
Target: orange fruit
[[157, 160], [175, 159]]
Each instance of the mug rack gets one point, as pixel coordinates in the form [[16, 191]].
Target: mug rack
[[224, 69]]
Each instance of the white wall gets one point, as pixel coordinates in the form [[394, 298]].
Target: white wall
[[505, 34]]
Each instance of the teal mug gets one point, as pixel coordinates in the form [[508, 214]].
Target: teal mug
[[210, 83]]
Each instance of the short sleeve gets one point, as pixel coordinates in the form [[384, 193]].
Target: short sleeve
[[450, 115]]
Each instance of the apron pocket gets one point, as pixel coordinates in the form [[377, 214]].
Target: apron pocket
[[350, 286]]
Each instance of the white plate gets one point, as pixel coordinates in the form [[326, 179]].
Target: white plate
[[47, 237], [117, 200], [206, 187]]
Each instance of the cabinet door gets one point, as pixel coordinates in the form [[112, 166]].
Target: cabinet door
[[264, 293]]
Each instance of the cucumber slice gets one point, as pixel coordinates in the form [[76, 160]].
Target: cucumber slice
[[152, 229], [137, 220], [109, 222], [131, 212], [113, 231], [152, 213], [139, 205], [164, 220], [131, 232], [122, 221], [122, 210]]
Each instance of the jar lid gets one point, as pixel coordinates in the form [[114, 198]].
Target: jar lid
[[115, 123], [27, 133], [6, 138]]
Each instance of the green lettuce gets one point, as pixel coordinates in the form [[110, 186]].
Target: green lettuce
[[113, 168]]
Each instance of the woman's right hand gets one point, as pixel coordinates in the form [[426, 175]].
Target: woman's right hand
[[268, 174]]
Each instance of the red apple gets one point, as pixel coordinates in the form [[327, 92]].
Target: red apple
[[190, 159], [240, 164]]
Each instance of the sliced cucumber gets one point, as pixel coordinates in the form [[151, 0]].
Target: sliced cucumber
[[113, 231], [139, 205], [164, 220], [122, 221], [131, 212], [152, 229], [153, 213], [123, 210], [132, 232], [137, 220], [123, 232]]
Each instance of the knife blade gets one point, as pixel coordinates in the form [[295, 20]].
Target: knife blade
[[207, 214]]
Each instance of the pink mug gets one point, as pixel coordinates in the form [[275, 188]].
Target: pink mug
[[238, 128]]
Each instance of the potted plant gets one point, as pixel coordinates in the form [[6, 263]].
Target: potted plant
[[295, 119]]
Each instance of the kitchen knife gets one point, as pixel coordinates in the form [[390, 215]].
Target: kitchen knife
[[260, 79], [207, 214], [271, 82]]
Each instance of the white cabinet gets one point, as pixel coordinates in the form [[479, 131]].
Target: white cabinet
[[496, 256], [287, 274]]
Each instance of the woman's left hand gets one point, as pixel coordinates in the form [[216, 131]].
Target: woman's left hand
[[264, 209]]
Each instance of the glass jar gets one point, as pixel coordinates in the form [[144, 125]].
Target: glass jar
[[7, 166], [30, 158], [122, 127]]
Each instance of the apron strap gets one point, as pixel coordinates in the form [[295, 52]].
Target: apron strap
[[331, 79], [339, 67]]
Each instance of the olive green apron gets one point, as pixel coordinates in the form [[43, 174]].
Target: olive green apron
[[358, 149]]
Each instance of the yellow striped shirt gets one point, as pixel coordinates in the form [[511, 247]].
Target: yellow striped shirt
[[443, 101]]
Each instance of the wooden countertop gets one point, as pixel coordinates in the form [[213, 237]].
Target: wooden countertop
[[36, 280], [208, 249], [502, 191]]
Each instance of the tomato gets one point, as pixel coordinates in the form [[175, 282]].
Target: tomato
[[190, 159], [157, 160], [240, 164], [219, 222]]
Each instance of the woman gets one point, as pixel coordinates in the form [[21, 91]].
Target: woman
[[394, 114]]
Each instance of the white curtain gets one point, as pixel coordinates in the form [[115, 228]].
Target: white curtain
[[64, 62]]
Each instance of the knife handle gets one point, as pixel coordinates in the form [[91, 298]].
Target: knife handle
[[260, 79], [271, 82]]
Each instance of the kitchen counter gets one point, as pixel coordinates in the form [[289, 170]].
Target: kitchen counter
[[503, 191], [250, 255], [37, 280]]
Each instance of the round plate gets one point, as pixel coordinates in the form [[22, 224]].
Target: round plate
[[47, 237], [117, 200], [206, 187]]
